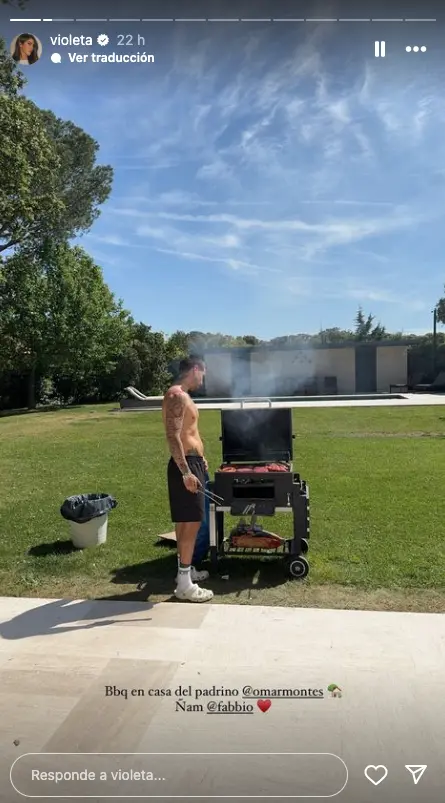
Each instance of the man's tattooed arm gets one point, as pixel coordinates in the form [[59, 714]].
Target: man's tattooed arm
[[175, 405]]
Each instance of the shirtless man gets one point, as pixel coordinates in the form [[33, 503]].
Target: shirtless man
[[186, 475]]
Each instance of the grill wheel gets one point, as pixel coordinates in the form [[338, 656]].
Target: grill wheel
[[298, 568]]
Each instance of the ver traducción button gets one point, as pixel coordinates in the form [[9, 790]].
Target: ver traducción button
[[151, 775]]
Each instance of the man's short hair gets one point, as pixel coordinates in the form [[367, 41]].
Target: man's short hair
[[189, 363]]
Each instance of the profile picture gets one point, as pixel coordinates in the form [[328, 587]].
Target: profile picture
[[26, 49]]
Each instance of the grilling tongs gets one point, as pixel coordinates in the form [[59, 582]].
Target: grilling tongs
[[216, 500]]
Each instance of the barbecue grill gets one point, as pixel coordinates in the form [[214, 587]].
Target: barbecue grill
[[256, 479]]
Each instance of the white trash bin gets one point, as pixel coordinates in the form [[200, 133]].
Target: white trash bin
[[91, 533]]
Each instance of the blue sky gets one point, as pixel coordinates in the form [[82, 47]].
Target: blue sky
[[269, 179]]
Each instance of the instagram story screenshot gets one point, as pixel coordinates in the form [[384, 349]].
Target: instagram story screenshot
[[222, 400]]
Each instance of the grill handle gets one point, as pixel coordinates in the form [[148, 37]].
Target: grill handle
[[255, 399]]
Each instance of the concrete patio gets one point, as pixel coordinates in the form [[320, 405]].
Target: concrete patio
[[57, 658]]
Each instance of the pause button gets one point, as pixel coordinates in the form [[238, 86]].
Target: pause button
[[379, 50]]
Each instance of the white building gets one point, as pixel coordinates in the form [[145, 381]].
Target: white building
[[338, 368]]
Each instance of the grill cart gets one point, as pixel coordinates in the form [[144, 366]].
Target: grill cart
[[256, 479]]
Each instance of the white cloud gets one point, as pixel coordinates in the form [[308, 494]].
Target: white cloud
[[153, 232], [226, 241], [276, 161], [108, 239], [234, 264]]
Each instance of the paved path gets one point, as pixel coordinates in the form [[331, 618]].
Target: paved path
[[57, 658]]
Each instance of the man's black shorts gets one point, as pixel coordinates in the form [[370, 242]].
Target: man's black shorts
[[184, 505]]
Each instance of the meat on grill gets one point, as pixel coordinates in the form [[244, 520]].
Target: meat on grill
[[272, 467], [256, 541], [253, 536]]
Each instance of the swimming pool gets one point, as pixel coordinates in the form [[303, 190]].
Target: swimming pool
[[300, 399]]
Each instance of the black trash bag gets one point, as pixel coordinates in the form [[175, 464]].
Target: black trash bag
[[85, 507]]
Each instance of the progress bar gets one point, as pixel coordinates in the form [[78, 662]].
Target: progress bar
[[311, 20]]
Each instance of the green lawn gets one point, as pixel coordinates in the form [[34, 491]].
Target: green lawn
[[376, 478]]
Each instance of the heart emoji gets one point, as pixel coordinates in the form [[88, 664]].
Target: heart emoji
[[264, 705], [376, 774]]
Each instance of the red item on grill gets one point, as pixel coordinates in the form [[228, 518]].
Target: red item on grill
[[277, 467], [255, 469], [256, 541]]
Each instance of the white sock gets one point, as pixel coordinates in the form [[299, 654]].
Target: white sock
[[179, 559], [184, 577]]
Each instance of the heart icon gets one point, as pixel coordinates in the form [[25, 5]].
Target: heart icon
[[264, 705], [376, 774]]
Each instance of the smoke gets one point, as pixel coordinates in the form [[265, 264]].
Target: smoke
[[259, 372], [256, 372], [281, 373]]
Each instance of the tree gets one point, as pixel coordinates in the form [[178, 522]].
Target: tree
[[293, 340], [11, 80], [336, 335], [152, 352], [364, 330], [50, 184], [178, 345], [89, 330], [440, 310], [378, 333], [82, 186], [57, 316], [21, 313], [363, 326], [29, 203]]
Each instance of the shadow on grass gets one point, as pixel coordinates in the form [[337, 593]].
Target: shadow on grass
[[50, 408], [157, 577], [56, 548], [68, 548]]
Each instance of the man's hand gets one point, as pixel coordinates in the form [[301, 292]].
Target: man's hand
[[192, 483]]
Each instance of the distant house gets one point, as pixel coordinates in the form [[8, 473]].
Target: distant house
[[343, 368]]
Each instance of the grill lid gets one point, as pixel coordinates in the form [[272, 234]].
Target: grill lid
[[256, 436]]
